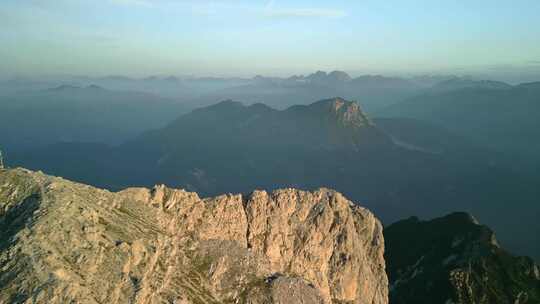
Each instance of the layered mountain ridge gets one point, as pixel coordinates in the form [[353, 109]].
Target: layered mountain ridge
[[67, 113], [393, 167], [496, 115], [330, 124]]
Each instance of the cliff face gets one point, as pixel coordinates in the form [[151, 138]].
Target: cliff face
[[454, 259], [62, 241]]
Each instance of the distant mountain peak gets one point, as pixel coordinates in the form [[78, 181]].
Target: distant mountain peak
[[319, 73], [224, 108], [467, 83], [461, 217], [261, 106], [340, 76], [171, 79], [232, 104], [67, 87], [116, 78], [64, 87], [95, 87], [383, 82], [334, 77], [228, 103], [347, 113], [530, 85]]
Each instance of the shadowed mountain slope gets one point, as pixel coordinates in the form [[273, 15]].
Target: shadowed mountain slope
[[501, 117], [454, 259], [69, 113]]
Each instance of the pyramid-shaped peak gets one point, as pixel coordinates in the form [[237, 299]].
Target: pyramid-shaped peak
[[344, 111]]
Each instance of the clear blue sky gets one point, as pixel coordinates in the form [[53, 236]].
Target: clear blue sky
[[236, 37]]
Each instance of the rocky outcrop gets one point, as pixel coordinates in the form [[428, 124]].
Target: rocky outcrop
[[65, 242], [454, 259], [349, 113]]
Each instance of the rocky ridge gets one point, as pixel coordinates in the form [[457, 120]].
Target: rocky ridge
[[66, 242], [454, 259]]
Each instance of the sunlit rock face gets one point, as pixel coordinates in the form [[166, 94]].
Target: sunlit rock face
[[65, 242]]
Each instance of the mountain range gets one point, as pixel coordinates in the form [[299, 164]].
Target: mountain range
[[495, 115], [69, 113], [374, 91], [420, 146], [395, 167]]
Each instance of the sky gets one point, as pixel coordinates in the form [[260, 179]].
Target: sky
[[272, 37]]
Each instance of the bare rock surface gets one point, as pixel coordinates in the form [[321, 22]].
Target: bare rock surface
[[64, 242]]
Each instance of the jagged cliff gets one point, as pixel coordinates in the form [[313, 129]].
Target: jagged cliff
[[64, 242]]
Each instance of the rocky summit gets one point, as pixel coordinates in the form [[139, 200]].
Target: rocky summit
[[346, 113], [64, 242]]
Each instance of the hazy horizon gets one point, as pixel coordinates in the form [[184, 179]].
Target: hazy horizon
[[273, 38], [508, 74]]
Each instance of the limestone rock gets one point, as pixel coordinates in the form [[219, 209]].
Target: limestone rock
[[64, 242]]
